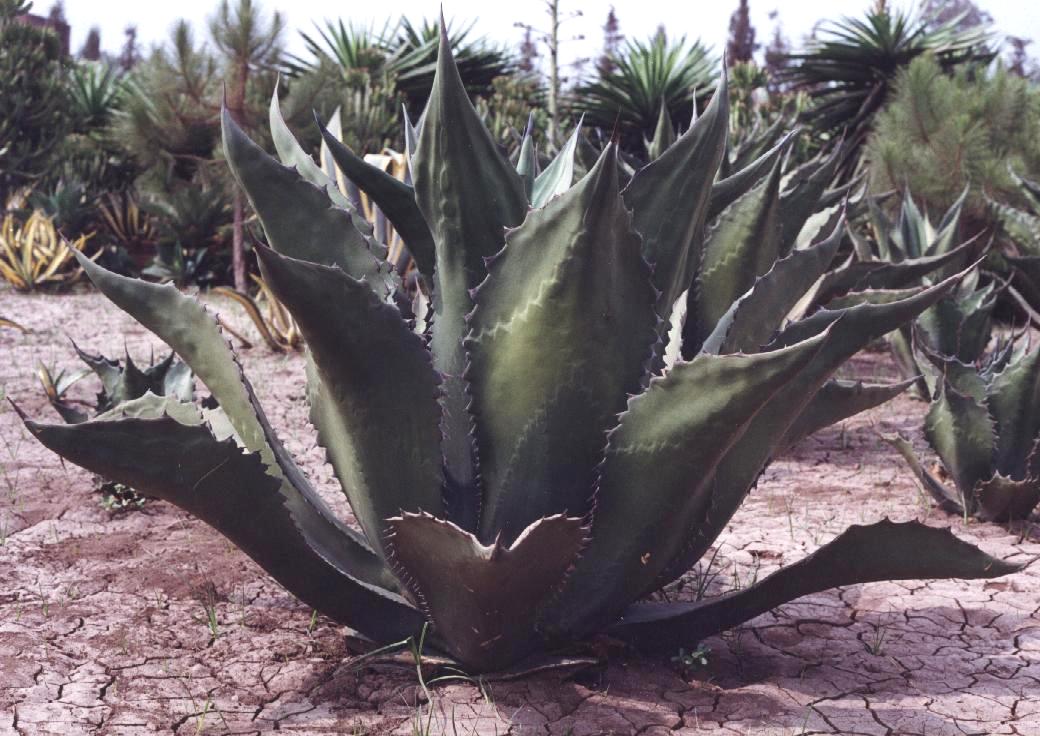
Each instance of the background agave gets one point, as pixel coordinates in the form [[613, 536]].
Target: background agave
[[556, 463]]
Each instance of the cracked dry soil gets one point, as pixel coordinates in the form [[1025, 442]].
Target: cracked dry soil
[[104, 620]]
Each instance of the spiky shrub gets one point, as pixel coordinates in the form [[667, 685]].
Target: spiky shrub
[[34, 255], [984, 424], [119, 384], [605, 470]]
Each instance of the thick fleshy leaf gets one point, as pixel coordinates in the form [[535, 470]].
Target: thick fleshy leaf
[[802, 198], [1013, 400], [754, 318], [726, 191], [850, 331], [484, 600], [232, 491], [861, 554], [740, 246], [395, 198], [562, 332], [558, 175], [961, 432], [1002, 499], [860, 275], [298, 217], [379, 415], [658, 460], [664, 134], [183, 324], [669, 200], [527, 160], [469, 194], [837, 401]]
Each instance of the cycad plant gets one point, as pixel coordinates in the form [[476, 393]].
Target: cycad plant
[[526, 468], [984, 424], [850, 68]]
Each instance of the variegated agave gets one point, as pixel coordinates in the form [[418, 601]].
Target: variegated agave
[[984, 423], [534, 462]]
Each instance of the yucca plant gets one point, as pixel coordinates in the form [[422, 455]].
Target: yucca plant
[[849, 70], [34, 255], [984, 424], [525, 470], [644, 75]]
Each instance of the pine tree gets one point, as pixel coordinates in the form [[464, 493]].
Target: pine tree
[[741, 46], [91, 49], [612, 38]]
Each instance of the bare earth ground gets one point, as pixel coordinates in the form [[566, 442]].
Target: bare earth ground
[[104, 624]]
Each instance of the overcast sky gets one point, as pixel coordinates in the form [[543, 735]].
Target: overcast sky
[[638, 18]]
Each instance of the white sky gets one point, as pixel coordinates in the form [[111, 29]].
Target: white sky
[[495, 19]]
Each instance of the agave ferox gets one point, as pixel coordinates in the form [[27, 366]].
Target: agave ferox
[[604, 471]]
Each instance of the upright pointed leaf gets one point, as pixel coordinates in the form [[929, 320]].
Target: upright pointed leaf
[[960, 429], [738, 248], [800, 200], [727, 191], [379, 417], [1013, 399], [527, 161], [562, 332], [298, 217], [669, 199], [469, 194], [664, 134], [861, 554], [558, 175], [660, 455], [394, 197], [486, 607]]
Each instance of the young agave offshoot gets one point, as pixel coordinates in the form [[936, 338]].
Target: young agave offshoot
[[534, 464]]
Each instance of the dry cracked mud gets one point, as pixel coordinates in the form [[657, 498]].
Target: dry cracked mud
[[105, 620]]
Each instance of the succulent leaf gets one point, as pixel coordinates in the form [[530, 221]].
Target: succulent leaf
[[486, 608], [861, 554], [394, 197], [726, 191], [1003, 499], [1013, 398], [558, 175], [961, 430], [562, 332], [664, 134], [183, 463], [469, 194], [659, 460], [378, 413]]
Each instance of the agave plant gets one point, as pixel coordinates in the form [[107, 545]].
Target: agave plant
[[984, 424], [525, 470], [33, 254], [272, 320]]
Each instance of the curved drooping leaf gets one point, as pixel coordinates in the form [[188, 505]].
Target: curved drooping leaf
[[298, 217], [379, 414], [658, 460], [484, 599], [960, 429], [232, 492], [740, 246], [861, 554], [469, 194], [850, 330], [558, 175], [753, 319], [183, 324], [836, 401], [562, 332], [669, 200], [946, 500], [394, 197]]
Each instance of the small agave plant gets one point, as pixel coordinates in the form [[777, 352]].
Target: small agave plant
[[538, 457], [984, 424]]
